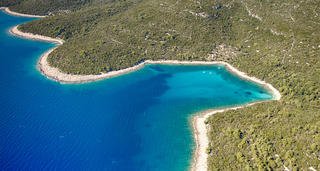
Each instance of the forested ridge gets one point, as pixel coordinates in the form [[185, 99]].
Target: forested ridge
[[276, 41], [44, 7]]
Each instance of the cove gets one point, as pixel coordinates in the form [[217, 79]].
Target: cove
[[137, 121]]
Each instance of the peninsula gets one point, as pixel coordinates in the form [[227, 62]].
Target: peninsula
[[53, 73], [120, 37]]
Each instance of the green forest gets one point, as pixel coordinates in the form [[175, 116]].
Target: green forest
[[276, 41]]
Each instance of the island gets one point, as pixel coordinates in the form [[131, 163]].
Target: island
[[277, 42]]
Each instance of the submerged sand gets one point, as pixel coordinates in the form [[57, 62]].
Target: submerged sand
[[200, 128]]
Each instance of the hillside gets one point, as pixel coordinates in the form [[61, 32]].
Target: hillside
[[47, 7], [276, 41]]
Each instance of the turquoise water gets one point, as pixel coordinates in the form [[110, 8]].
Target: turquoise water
[[138, 121]]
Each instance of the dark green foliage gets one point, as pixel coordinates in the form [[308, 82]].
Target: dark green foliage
[[6, 3], [273, 40], [122, 33], [46, 7]]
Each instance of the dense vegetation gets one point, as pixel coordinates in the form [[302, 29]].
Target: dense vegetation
[[123, 33], [281, 44], [5, 3], [278, 41], [45, 7]]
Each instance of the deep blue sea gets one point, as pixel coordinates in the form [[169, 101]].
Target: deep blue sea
[[138, 121]]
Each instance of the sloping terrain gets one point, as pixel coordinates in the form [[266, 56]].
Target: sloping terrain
[[278, 41], [44, 7]]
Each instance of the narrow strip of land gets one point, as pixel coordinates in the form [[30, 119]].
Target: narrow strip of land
[[7, 10]]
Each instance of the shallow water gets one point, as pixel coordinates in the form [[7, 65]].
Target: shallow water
[[138, 121]]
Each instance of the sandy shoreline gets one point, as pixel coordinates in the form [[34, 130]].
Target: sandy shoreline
[[200, 132], [198, 122], [15, 31], [7, 10]]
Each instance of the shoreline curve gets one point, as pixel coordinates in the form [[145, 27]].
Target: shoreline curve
[[198, 121], [8, 11]]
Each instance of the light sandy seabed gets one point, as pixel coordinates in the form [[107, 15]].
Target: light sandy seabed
[[198, 122]]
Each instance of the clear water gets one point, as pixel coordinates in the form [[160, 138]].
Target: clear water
[[138, 121]]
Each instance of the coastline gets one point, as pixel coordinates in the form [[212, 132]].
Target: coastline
[[7, 10], [200, 132], [198, 121]]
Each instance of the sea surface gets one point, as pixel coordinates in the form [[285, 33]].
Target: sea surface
[[135, 122]]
